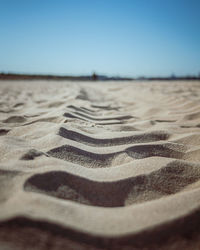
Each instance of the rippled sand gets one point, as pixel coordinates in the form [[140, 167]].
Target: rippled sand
[[105, 165]]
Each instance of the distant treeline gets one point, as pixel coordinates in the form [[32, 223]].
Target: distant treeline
[[93, 77]]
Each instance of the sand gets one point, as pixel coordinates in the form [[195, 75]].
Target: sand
[[99, 165]]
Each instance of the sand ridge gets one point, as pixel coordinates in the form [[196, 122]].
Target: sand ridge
[[100, 165]]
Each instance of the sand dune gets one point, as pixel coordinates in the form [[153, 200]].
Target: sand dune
[[100, 165]]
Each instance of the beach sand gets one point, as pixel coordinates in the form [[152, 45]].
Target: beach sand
[[99, 165]]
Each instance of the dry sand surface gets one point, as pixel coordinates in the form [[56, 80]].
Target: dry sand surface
[[105, 165]]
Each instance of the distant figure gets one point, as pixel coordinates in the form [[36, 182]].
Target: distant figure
[[173, 76], [94, 77]]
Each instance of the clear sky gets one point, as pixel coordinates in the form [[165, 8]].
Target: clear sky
[[114, 37]]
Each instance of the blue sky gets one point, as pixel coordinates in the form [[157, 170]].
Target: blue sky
[[114, 37]]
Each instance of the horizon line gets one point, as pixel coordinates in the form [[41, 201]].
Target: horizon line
[[171, 75], [93, 76]]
